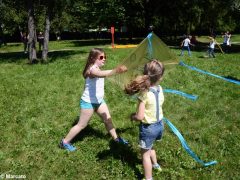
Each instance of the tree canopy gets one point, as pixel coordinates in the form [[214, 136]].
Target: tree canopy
[[168, 17]]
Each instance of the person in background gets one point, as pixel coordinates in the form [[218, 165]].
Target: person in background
[[40, 40], [226, 42], [211, 47], [24, 39], [186, 45]]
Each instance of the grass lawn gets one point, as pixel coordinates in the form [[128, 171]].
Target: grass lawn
[[40, 103]]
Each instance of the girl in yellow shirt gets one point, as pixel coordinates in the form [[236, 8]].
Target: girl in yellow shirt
[[149, 112]]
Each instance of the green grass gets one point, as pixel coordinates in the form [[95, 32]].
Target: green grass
[[40, 103]]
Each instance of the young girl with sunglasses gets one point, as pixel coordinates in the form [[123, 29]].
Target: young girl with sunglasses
[[149, 112], [92, 99]]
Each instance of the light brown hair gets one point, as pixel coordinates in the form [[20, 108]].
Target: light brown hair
[[92, 57], [153, 72]]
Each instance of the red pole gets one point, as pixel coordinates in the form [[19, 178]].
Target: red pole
[[112, 32], [112, 40]]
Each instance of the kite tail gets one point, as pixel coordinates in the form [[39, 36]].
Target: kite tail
[[208, 73], [150, 49], [185, 145], [189, 96]]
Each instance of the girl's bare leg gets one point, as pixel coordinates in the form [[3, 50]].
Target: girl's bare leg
[[104, 113], [84, 118], [153, 156], [147, 163]]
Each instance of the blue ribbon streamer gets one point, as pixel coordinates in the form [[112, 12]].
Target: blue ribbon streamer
[[189, 96], [185, 145], [150, 49], [208, 73]]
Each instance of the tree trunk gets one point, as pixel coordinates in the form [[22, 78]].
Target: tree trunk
[[32, 37], [47, 30], [46, 39], [2, 38]]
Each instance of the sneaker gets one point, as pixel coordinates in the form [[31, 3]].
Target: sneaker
[[157, 167], [66, 146], [121, 141]]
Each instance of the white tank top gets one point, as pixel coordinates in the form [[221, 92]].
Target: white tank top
[[94, 90]]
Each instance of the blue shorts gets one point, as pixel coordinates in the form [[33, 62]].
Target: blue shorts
[[149, 133], [86, 105]]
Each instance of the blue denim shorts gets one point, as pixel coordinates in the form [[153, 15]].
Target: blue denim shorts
[[86, 105], [150, 133]]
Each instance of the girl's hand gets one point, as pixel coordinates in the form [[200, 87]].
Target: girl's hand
[[121, 69]]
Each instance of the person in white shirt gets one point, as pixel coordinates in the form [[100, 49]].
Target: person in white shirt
[[211, 47], [92, 99], [185, 45], [226, 42]]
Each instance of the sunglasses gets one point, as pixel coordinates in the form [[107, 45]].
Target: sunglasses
[[101, 57]]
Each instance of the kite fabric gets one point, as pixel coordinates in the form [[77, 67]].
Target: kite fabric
[[185, 145], [152, 47], [208, 73]]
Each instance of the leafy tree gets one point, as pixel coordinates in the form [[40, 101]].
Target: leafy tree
[[11, 17], [168, 17]]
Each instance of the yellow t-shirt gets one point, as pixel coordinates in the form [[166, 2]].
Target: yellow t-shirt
[[148, 98]]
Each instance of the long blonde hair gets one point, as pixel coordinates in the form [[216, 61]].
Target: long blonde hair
[[153, 72], [92, 57]]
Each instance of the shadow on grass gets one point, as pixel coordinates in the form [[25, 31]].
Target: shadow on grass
[[88, 131], [100, 42], [124, 153], [12, 45], [90, 42], [14, 57], [235, 48], [232, 78], [59, 54]]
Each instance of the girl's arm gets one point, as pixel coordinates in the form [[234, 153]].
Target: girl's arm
[[139, 115], [104, 73]]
